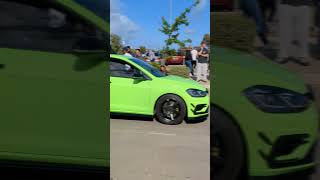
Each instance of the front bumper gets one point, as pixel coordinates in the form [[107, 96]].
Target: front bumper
[[198, 108], [297, 174], [277, 144]]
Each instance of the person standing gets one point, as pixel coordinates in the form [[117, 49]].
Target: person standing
[[138, 54], [126, 52], [194, 54], [188, 61], [152, 56], [252, 9], [294, 24], [202, 65]]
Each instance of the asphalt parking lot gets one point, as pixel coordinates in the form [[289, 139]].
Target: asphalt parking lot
[[147, 150]]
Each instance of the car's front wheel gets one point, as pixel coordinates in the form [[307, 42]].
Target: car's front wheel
[[170, 109], [227, 147]]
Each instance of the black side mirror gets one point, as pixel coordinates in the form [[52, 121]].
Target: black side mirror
[[138, 76], [90, 45]]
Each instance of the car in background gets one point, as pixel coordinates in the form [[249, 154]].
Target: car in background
[[138, 88], [222, 5], [53, 93], [265, 121], [175, 60], [157, 58]]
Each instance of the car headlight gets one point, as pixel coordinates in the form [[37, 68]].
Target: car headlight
[[277, 100], [197, 93]]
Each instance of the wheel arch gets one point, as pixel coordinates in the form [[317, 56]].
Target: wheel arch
[[155, 104], [244, 141]]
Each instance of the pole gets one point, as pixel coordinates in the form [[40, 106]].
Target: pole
[[170, 12]]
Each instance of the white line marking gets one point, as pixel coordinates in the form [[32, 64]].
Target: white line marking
[[163, 134], [141, 132]]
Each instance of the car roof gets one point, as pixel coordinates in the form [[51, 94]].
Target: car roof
[[85, 13], [118, 56]]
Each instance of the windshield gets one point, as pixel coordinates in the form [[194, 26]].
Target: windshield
[[99, 7], [154, 71]]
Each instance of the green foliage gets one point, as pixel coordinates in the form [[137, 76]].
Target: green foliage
[[116, 44], [168, 52], [232, 30], [143, 49], [156, 65], [172, 30], [206, 39], [179, 70]]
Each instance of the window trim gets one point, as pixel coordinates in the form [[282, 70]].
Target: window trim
[[131, 64]]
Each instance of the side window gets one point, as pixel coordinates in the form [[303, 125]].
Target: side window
[[122, 69], [44, 26]]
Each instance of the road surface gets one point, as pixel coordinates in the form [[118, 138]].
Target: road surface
[[147, 150]]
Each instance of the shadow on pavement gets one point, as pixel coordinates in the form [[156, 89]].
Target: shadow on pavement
[[131, 117]]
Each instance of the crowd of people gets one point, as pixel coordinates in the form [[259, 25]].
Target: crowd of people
[[294, 21], [196, 60]]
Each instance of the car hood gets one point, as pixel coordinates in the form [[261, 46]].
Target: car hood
[[180, 81], [245, 69]]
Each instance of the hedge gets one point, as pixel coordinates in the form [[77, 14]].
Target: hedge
[[232, 30], [178, 70]]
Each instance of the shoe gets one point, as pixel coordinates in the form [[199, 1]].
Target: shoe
[[304, 61], [281, 60]]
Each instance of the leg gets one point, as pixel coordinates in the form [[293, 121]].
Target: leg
[[189, 65], [285, 31], [198, 71], [303, 25], [205, 66], [201, 71]]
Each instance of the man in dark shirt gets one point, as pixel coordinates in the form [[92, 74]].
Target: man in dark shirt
[[294, 21], [202, 64]]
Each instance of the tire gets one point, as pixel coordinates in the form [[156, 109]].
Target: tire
[[170, 109], [227, 147]]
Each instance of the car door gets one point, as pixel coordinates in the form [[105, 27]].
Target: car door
[[128, 95], [53, 95]]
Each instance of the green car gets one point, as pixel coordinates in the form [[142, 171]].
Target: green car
[[265, 122], [137, 88], [53, 92]]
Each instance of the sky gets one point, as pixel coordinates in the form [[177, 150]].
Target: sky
[[138, 22]]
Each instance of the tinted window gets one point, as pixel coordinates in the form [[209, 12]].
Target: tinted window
[[121, 69], [46, 27], [99, 7], [151, 69]]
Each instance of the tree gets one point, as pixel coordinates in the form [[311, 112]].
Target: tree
[[143, 49], [116, 44], [172, 30], [206, 39]]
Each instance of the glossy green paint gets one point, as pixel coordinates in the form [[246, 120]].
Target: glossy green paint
[[139, 97], [53, 105], [234, 72]]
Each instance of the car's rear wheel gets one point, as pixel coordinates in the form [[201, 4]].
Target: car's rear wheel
[[227, 147], [170, 109]]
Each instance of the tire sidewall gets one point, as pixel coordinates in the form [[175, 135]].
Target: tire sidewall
[[233, 145], [158, 109]]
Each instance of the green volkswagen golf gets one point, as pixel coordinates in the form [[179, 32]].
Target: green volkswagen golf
[[265, 122], [137, 88], [53, 94]]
